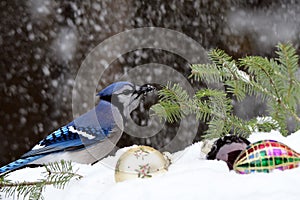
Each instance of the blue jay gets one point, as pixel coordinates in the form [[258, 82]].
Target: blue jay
[[92, 135]]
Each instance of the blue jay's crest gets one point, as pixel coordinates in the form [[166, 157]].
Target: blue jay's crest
[[91, 136], [111, 89], [124, 95]]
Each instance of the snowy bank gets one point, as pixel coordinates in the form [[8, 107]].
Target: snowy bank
[[189, 177]]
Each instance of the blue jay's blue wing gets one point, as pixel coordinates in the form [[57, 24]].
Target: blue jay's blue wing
[[68, 138]]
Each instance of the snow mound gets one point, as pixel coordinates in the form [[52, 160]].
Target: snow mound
[[189, 177]]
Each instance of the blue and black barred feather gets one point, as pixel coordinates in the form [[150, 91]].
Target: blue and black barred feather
[[60, 140], [22, 162], [64, 139], [60, 135]]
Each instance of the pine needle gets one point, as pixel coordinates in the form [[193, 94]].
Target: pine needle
[[272, 80], [57, 174]]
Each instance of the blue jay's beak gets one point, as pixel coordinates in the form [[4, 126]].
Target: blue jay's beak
[[139, 92], [144, 89]]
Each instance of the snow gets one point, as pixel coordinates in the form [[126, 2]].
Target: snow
[[189, 177], [268, 28], [64, 47], [39, 8]]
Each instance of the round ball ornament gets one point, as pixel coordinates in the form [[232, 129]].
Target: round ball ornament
[[141, 162], [265, 156], [227, 148]]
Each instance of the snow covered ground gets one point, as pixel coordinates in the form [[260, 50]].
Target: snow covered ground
[[189, 177]]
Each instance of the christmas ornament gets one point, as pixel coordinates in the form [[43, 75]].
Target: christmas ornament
[[227, 149], [265, 156], [141, 162]]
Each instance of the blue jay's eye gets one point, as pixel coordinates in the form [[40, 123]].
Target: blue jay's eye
[[127, 92]]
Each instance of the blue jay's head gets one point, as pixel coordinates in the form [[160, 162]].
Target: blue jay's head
[[125, 95]]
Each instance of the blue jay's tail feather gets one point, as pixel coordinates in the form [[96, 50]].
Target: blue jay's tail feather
[[20, 163]]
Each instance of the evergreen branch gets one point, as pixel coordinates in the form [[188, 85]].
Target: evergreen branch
[[201, 109], [236, 79], [288, 58], [207, 73], [239, 127], [219, 57], [260, 67], [212, 104], [170, 111], [273, 80], [25, 183], [224, 63], [263, 124], [208, 105], [174, 103], [289, 66], [58, 174], [173, 93], [159, 111], [218, 105], [215, 129]]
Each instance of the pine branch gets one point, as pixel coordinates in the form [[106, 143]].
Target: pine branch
[[207, 73], [224, 69], [217, 104], [270, 81], [57, 174], [174, 103], [261, 69], [288, 60], [273, 80], [239, 126], [215, 129], [208, 105]]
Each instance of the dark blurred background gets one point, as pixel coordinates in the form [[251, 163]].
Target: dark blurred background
[[44, 42]]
